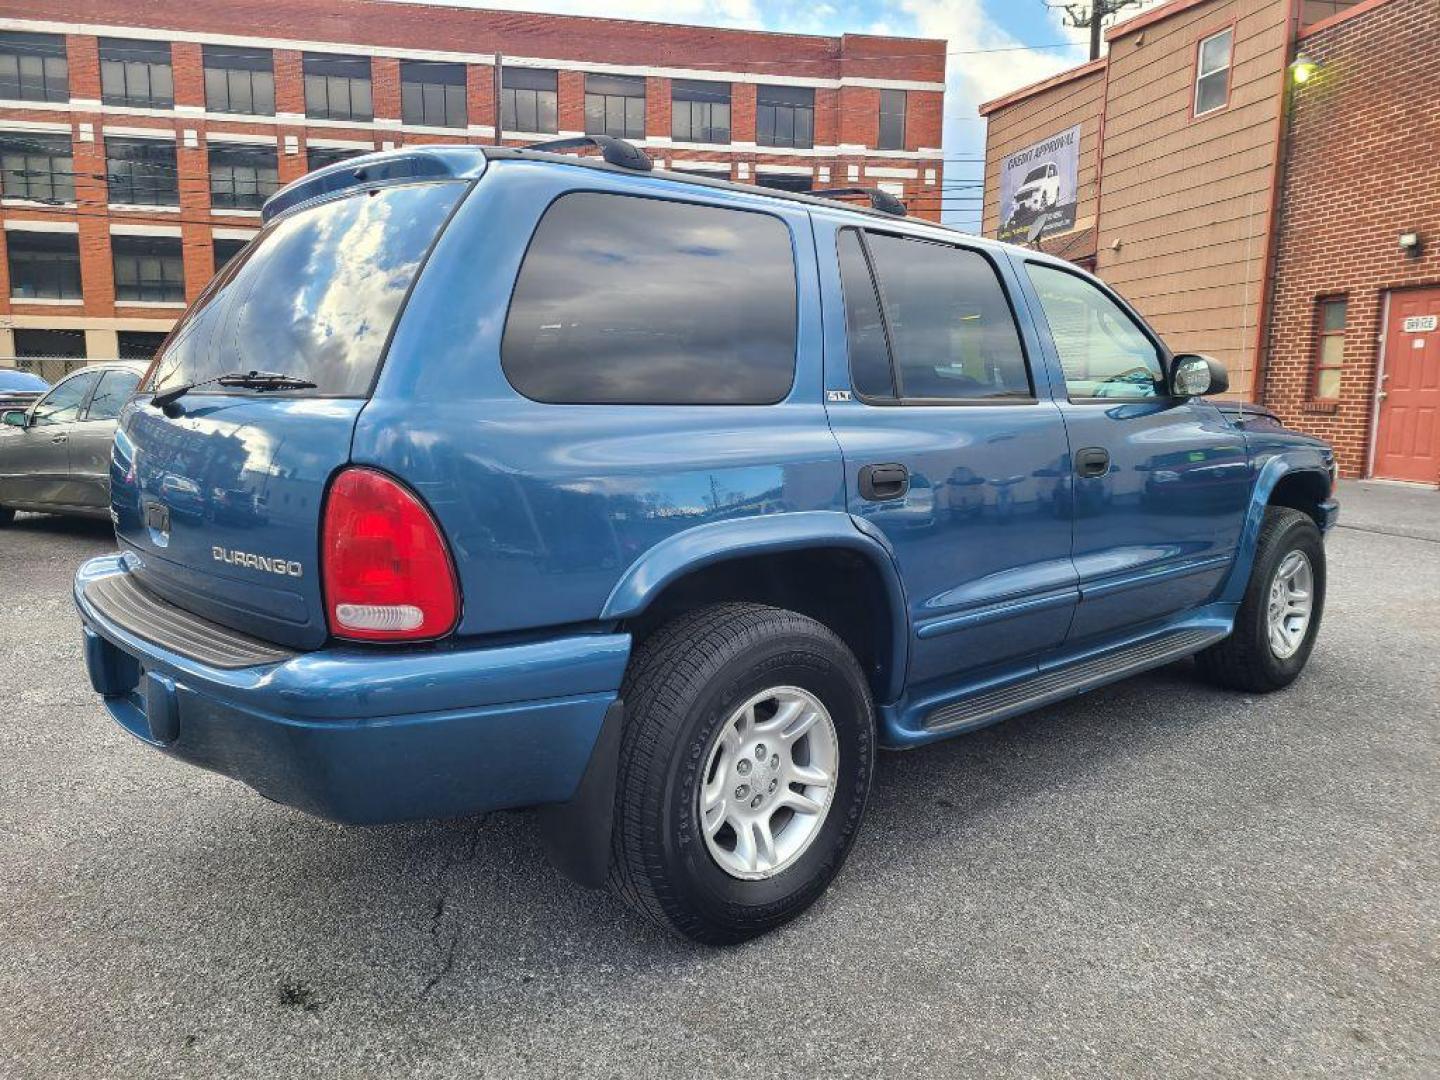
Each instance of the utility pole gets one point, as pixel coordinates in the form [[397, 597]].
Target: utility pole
[[498, 85], [1092, 16]]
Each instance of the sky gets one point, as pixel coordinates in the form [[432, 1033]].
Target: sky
[[992, 46]]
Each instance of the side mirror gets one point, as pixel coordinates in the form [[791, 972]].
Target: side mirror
[[1193, 375], [15, 418]]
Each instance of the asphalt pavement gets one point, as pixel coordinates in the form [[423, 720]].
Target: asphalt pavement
[[1157, 879]]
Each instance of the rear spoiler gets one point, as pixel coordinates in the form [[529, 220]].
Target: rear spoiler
[[382, 167]]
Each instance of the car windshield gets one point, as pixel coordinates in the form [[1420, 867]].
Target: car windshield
[[1035, 174], [315, 295]]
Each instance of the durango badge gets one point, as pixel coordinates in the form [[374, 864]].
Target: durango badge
[[283, 567]]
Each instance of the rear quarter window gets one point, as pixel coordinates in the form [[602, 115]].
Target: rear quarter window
[[629, 300]]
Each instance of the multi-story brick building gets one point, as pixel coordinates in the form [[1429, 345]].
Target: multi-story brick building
[[138, 141], [1244, 173]]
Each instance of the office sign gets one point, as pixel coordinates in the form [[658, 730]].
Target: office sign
[[1038, 188]]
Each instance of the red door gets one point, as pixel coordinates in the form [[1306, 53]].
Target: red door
[[1407, 446]]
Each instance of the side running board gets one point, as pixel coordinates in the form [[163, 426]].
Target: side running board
[[1057, 683]]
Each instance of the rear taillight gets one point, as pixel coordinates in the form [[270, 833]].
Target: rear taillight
[[386, 569]]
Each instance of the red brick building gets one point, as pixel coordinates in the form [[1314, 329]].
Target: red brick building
[[137, 141], [1354, 329], [1245, 173]]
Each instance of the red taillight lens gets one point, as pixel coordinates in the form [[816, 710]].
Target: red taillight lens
[[386, 570]]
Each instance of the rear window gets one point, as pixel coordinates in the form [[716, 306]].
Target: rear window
[[626, 300], [315, 295]]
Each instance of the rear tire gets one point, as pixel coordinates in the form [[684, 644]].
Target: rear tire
[[1269, 646], [6, 516], [724, 697]]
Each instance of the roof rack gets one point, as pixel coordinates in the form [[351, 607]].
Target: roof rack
[[615, 151], [879, 200]]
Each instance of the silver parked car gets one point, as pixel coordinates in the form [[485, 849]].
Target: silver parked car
[[55, 455]]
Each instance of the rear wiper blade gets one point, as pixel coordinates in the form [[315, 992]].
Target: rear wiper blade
[[249, 380]]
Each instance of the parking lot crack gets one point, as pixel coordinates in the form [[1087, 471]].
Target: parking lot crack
[[444, 884]]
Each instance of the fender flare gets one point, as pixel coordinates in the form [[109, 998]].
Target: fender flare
[[1271, 473], [721, 541]]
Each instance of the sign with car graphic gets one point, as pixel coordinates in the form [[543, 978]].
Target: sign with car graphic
[[1038, 189]]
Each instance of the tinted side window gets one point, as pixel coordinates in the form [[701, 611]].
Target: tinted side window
[[62, 404], [626, 300], [114, 390], [1103, 353], [870, 372], [951, 328]]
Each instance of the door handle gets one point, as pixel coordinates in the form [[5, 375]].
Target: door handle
[[879, 483], [1092, 461]]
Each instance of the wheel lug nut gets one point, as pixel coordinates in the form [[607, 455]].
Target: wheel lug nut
[[775, 761], [743, 768], [755, 802], [774, 784], [760, 753], [742, 792]]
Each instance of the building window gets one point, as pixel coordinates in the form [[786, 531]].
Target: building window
[[37, 167], [242, 177], [142, 172], [33, 68], [225, 250], [139, 344], [1212, 72], [892, 120], [50, 344], [785, 116], [136, 74], [1330, 352], [615, 105], [239, 80], [785, 181], [432, 94], [719, 172], [148, 269], [700, 111], [529, 100], [317, 157], [44, 265], [337, 87]]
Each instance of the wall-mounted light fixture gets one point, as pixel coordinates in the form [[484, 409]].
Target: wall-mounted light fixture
[[1410, 244], [1303, 69]]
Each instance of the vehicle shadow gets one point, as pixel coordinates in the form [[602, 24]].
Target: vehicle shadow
[[57, 525], [465, 906]]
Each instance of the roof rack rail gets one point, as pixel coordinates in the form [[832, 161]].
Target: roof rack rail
[[879, 200], [615, 151]]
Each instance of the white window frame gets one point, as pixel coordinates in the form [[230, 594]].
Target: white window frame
[[1201, 74]]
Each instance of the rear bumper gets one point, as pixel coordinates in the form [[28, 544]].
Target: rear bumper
[[366, 736]]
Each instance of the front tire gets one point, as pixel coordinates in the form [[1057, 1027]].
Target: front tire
[[716, 838], [1280, 615]]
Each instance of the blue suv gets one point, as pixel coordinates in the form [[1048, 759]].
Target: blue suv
[[491, 477]]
